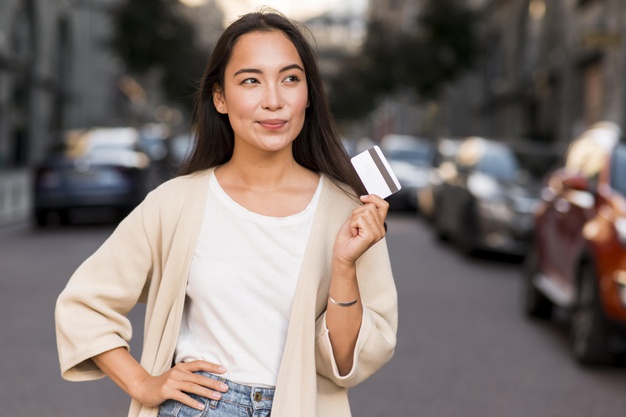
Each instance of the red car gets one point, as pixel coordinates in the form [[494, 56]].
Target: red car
[[578, 259]]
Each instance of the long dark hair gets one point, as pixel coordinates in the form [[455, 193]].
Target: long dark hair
[[318, 147]]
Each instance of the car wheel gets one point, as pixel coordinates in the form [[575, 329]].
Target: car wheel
[[589, 333], [466, 238], [41, 218], [439, 228], [534, 303], [65, 217]]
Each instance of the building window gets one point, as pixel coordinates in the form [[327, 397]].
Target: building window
[[63, 66], [593, 94], [586, 2], [23, 51]]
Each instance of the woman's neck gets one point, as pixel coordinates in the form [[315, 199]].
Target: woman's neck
[[274, 187], [262, 171]]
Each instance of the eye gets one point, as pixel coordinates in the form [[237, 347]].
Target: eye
[[292, 79], [250, 81]]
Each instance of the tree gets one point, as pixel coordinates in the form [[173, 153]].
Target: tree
[[152, 35], [444, 44]]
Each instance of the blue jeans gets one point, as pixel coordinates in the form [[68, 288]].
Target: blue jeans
[[238, 401]]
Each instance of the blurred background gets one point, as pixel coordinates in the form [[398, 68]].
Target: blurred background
[[502, 119]]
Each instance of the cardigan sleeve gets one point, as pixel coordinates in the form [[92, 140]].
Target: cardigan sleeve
[[376, 340], [91, 311]]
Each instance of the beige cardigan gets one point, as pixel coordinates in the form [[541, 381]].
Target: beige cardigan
[[147, 259]]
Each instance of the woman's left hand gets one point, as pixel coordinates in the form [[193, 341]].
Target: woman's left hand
[[362, 229]]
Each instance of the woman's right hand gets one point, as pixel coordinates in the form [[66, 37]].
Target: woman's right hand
[[177, 382], [150, 390]]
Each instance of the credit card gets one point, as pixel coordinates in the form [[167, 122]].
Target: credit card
[[375, 172]]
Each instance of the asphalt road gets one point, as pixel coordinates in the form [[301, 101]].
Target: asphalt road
[[463, 349]]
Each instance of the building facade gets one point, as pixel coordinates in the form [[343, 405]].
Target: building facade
[[549, 70], [31, 84], [57, 72]]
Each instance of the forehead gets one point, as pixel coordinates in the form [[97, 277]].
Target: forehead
[[258, 49]]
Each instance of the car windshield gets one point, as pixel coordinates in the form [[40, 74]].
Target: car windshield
[[420, 156], [111, 147], [499, 163], [618, 174]]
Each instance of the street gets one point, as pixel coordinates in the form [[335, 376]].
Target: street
[[464, 348]]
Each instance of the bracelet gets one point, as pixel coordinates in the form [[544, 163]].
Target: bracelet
[[342, 304]]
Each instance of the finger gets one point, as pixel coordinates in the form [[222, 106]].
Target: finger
[[367, 226], [372, 214], [188, 401], [205, 381], [374, 198], [381, 204], [186, 373], [214, 392], [200, 365], [186, 381], [377, 205]]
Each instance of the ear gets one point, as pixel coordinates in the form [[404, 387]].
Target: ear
[[219, 100]]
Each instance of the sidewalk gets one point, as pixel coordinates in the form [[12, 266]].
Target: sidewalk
[[15, 196]]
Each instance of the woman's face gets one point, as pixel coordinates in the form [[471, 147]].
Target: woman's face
[[264, 93]]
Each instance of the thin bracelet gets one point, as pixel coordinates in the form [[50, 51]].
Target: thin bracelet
[[341, 304]]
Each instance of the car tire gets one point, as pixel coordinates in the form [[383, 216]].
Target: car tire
[[65, 217], [41, 218], [589, 331], [439, 228], [534, 303], [466, 237]]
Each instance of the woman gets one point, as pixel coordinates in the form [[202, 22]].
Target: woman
[[268, 284]]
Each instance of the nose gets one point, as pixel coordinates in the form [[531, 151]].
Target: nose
[[272, 99]]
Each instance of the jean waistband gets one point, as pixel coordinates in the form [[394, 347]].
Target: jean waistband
[[257, 398]]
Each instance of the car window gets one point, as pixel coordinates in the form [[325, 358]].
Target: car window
[[537, 163], [421, 156], [499, 163], [618, 169]]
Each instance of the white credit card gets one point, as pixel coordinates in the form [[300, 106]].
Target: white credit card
[[375, 172]]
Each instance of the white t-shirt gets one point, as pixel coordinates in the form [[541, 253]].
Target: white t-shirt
[[241, 285]]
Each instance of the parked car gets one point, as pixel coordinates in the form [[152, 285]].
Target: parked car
[[411, 159], [96, 168], [443, 167], [153, 141], [486, 201], [578, 258], [181, 147]]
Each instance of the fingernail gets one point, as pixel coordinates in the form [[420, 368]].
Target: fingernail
[[217, 395], [224, 387], [200, 406], [221, 369]]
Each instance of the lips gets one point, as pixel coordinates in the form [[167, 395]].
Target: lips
[[272, 124]]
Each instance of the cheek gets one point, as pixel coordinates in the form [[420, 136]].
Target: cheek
[[301, 102], [243, 103]]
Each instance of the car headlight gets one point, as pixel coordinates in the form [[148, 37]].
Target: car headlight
[[620, 228], [482, 186], [497, 209]]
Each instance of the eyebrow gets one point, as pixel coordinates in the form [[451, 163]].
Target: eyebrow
[[258, 71]]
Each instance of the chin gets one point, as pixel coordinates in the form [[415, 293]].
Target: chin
[[276, 145]]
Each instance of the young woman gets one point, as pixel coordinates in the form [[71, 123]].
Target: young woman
[[264, 266]]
